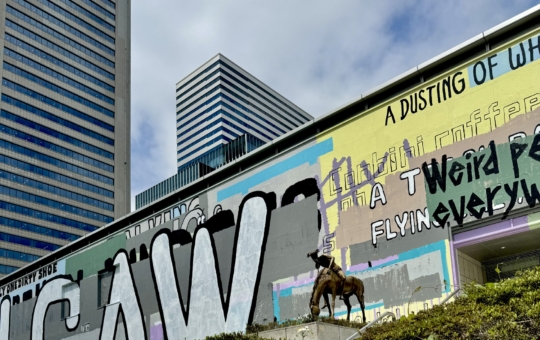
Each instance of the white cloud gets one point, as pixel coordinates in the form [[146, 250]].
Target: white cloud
[[318, 54]]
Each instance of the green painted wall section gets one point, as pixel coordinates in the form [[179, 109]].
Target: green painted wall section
[[92, 259], [512, 176]]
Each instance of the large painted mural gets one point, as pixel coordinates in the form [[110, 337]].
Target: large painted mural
[[380, 193]]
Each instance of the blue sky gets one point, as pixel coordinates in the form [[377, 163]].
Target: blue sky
[[318, 54]]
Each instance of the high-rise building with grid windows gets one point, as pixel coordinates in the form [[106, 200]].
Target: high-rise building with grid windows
[[64, 123], [219, 102], [222, 113]]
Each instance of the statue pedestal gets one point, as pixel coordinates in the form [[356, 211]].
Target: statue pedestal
[[316, 331]]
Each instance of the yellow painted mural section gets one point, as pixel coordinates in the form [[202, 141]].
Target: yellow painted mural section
[[372, 136]]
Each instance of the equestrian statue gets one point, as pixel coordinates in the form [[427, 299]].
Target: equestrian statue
[[332, 280]]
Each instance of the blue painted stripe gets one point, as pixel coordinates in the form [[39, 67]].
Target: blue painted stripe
[[502, 59], [277, 311], [310, 155]]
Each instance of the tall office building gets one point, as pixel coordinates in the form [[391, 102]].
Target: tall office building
[[219, 102], [64, 123], [222, 113]]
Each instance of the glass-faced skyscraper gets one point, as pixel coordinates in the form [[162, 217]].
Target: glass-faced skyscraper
[[222, 113], [219, 102], [64, 123]]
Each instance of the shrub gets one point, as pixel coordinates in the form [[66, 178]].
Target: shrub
[[235, 336], [506, 310]]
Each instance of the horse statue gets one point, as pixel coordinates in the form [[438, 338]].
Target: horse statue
[[327, 282]]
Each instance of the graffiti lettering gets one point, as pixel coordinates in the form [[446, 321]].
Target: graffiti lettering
[[203, 317], [54, 291]]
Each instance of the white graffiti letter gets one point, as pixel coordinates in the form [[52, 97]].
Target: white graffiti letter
[[123, 298], [54, 291], [207, 315], [377, 194], [5, 317]]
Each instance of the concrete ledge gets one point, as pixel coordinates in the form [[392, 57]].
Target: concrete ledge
[[317, 331]]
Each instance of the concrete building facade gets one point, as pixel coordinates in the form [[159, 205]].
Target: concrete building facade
[[64, 123], [439, 189]]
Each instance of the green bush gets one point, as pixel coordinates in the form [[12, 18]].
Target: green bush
[[235, 336], [506, 310]]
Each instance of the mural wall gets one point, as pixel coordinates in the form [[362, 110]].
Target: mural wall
[[380, 193]]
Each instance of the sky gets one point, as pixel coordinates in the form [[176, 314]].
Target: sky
[[318, 54]]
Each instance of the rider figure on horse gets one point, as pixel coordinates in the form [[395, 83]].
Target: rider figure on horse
[[327, 261]]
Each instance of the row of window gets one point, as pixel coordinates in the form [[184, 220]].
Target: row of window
[[246, 79], [216, 122], [56, 75], [60, 121], [15, 224], [223, 95], [192, 130], [245, 108], [77, 20], [56, 148], [221, 103], [207, 94], [199, 137], [67, 109], [109, 3], [237, 88], [55, 190], [223, 128], [207, 119], [239, 98], [217, 139], [67, 41], [89, 14], [11, 223], [197, 76], [199, 90], [198, 83], [5, 269], [17, 255], [28, 242], [99, 9], [65, 26], [198, 115], [39, 53], [244, 116], [300, 122], [55, 88], [223, 138], [59, 135], [23, 195], [54, 161], [58, 49], [55, 176], [224, 153], [40, 215]]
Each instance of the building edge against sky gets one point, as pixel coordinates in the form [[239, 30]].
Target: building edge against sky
[[222, 113], [235, 241], [65, 123]]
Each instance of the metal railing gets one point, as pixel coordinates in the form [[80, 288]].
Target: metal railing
[[450, 296], [391, 314], [363, 329]]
